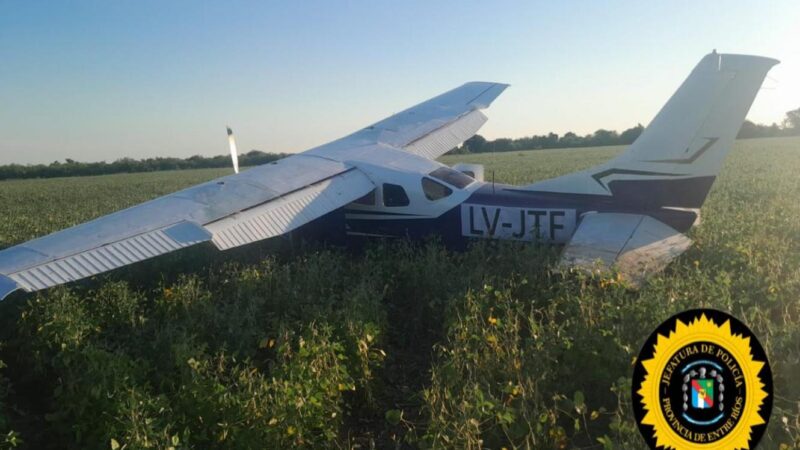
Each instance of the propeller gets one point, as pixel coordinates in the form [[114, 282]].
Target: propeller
[[234, 152]]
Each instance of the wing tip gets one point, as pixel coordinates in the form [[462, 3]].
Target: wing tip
[[489, 92], [486, 83], [7, 286]]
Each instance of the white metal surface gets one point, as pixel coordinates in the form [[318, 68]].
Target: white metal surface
[[290, 211], [104, 258], [633, 244], [444, 139], [404, 128]]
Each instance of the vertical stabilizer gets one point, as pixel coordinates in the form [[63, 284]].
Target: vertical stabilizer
[[677, 157]]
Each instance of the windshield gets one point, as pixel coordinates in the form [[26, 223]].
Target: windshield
[[452, 177], [434, 190]]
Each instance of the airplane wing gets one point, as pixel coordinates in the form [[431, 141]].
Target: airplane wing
[[259, 203], [256, 204], [429, 129], [635, 245]]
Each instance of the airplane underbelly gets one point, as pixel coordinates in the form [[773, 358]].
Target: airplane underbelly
[[446, 227]]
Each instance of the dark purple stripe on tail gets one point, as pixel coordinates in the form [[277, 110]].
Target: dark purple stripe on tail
[[683, 193]]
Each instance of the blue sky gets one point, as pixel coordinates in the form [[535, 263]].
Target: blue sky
[[99, 80]]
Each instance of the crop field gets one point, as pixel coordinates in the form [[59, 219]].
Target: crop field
[[395, 346]]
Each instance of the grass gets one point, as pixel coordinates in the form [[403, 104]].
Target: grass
[[398, 346]]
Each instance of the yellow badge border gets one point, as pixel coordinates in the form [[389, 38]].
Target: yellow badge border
[[702, 329]]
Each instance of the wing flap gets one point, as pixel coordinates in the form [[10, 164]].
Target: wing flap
[[635, 245], [445, 138], [290, 211], [109, 256]]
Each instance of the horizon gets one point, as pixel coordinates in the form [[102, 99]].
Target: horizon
[[99, 82], [226, 154]]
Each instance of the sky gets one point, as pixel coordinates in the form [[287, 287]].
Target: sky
[[102, 80]]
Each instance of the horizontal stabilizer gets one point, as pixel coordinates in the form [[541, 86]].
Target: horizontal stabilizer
[[635, 245]]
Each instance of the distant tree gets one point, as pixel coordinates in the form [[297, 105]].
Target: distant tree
[[475, 144], [570, 139], [550, 141], [792, 122], [501, 145], [604, 137], [749, 130], [628, 136]]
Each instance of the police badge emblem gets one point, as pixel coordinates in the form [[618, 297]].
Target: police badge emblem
[[702, 381]]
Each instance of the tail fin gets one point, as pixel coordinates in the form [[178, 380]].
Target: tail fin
[[676, 159]]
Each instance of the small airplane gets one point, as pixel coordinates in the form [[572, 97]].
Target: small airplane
[[383, 181]]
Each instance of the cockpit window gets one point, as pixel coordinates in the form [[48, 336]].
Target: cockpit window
[[394, 195], [452, 177], [434, 190]]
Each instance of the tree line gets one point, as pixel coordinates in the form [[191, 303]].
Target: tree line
[[71, 168], [476, 144], [601, 137]]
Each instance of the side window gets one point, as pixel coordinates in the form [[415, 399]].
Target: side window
[[469, 173], [368, 200], [434, 190], [394, 195]]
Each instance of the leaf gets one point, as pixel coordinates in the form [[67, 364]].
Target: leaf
[[114, 444], [394, 416], [578, 400], [606, 441]]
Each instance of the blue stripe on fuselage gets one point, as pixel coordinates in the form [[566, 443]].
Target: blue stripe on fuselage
[[513, 196], [495, 211]]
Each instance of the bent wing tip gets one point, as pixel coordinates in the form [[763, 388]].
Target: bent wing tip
[[490, 91], [486, 83], [7, 286]]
